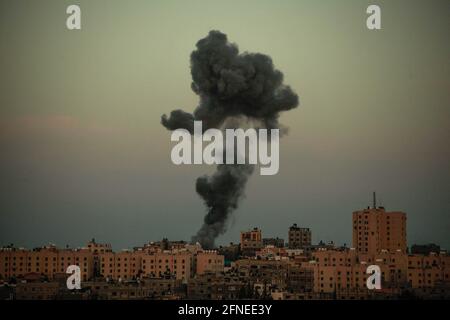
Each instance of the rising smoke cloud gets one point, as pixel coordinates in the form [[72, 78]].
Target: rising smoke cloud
[[237, 86]]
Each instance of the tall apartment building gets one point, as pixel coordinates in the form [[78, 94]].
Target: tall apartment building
[[48, 261], [299, 237], [375, 229], [97, 249], [98, 260], [251, 241], [181, 263], [122, 265]]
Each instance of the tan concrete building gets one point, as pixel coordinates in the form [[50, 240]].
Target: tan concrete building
[[209, 261], [428, 271], [126, 265], [182, 263], [98, 248], [299, 237], [129, 265], [47, 261], [251, 241], [107, 265], [345, 270], [177, 262], [375, 229], [83, 258]]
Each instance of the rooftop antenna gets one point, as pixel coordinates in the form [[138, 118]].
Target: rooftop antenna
[[374, 200]]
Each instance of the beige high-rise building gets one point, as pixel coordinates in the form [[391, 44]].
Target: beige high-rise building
[[375, 230]]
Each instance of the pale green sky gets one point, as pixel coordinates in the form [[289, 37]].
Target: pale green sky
[[84, 155]]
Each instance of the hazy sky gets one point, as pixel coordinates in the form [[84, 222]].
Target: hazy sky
[[83, 153]]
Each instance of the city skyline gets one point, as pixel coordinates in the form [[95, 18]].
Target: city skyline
[[399, 233], [255, 268], [317, 238]]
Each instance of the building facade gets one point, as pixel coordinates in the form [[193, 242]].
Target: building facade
[[46, 261], [101, 262], [375, 229], [251, 241], [299, 237]]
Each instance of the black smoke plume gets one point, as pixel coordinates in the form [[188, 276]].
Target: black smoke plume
[[229, 84]]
